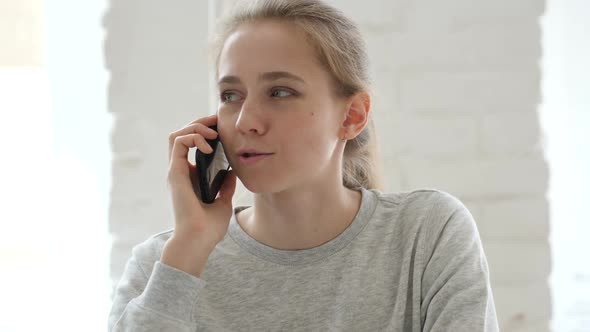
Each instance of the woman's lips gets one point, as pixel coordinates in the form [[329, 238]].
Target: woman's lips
[[253, 159]]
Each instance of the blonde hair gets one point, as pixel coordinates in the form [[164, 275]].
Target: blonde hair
[[341, 50]]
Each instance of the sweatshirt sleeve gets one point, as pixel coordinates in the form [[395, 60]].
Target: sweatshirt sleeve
[[163, 300], [457, 294]]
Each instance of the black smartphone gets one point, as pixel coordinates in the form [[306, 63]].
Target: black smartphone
[[211, 170]]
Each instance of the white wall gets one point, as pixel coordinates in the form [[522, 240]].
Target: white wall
[[457, 86], [155, 53]]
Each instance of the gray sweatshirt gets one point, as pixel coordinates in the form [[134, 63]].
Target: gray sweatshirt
[[408, 262]]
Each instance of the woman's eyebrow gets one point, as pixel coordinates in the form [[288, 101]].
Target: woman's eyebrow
[[275, 75], [268, 76]]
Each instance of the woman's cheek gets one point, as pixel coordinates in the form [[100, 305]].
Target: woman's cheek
[[225, 119]]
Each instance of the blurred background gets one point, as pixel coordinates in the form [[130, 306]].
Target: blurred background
[[487, 100]]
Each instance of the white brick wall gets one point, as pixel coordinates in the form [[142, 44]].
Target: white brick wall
[[456, 89]]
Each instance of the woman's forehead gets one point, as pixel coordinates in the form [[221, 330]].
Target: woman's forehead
[[268, 46]]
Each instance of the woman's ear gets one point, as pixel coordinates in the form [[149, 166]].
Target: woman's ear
[[356, 115]]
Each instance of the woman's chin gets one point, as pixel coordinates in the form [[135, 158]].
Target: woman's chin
[[259, 186], [254, 186]]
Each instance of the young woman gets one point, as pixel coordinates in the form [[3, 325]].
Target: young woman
[[321, 248]]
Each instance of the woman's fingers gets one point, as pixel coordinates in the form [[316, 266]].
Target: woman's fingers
[[179, 165], [199, 126], [207, 121]]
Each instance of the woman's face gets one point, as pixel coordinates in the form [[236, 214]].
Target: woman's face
[[276, 98]]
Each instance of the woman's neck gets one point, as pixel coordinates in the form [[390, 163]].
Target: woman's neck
[[303, 219]]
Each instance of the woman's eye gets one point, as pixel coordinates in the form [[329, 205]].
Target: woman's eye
[[280, 93], [228, 97]]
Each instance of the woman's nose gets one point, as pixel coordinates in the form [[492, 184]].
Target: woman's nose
[[250, 118]]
